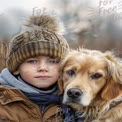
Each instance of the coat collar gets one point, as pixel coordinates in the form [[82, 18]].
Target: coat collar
[[8, 95]]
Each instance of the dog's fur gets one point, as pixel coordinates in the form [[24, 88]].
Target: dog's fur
[[92, 82]]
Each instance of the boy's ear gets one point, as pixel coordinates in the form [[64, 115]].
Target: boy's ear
[[16, 72]]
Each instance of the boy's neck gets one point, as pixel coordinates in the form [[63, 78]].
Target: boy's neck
[[49, 88]]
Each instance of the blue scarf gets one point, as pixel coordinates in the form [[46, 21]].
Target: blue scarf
[[46, 99]]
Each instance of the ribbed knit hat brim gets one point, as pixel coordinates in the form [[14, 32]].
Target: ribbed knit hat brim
[[33, 49], [43, 36]]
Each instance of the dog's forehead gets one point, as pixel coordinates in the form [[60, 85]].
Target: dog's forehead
[[83, 55], [85, 58]]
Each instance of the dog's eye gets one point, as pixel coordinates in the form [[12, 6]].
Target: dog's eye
[[96, 76], [71, 72]]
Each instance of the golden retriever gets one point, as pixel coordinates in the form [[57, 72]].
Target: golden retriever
[[92, 83]]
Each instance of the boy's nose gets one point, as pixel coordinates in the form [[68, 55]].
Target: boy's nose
[[42, 66]]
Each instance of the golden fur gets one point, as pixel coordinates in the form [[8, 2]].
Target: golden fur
[[92, 83]]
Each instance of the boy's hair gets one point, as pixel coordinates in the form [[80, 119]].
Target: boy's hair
[[43, 37]]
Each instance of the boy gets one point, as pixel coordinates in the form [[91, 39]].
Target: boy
[[29, 90]]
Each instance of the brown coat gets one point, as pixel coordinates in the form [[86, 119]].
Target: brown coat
[[15, 107]]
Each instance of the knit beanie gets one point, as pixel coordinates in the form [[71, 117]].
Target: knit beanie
[[43, 36]]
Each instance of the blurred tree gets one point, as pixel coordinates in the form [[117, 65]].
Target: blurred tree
[[3, 53], [87, 27]]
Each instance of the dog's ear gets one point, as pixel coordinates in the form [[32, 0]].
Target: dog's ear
[[113, 87], [60, 83], [63, 64], [60, 80]]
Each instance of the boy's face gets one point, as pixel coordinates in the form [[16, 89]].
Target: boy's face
[[41, 71]]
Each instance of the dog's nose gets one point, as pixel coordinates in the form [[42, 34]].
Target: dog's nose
[[74, 93]]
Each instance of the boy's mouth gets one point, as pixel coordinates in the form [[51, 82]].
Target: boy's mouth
[[43, 77]]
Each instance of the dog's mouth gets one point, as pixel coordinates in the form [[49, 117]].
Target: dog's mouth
[[74, 103], [72, 100]]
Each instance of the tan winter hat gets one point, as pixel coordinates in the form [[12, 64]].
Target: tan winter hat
[[44, 37]]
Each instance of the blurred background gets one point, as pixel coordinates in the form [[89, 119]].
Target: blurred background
[[92, 24]]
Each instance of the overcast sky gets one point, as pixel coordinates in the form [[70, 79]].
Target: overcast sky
[[10, 21], [27, 4], [13, 12]]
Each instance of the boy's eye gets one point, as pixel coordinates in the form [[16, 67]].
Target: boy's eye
[[32, 61]]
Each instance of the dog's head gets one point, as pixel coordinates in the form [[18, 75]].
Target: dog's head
[[87, 74]]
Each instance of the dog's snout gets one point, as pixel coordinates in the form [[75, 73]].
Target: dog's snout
[[74, 93]]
